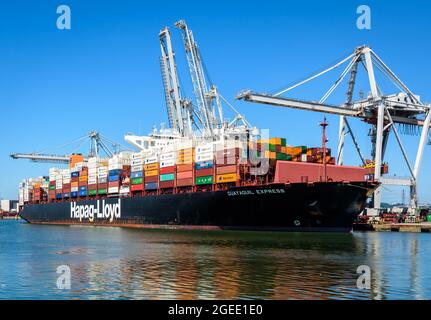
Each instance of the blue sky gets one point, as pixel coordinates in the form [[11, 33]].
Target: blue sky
[[104, 73]]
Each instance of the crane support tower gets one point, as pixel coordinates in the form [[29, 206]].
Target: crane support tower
[[381, 111]]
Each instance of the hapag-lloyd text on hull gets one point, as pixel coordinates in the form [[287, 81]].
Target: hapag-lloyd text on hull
[[100, 210]]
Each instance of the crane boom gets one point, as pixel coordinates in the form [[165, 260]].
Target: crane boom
[[41, 157]]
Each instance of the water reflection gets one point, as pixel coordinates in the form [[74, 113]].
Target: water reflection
[[115, 263]]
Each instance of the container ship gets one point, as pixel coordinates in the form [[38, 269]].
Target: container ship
[[227, 176]]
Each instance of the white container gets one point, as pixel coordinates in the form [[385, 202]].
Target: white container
[[209, 156], [113, 190], [137, 162], [135, 156], [137, 168], [303, 158], [124, 190], [205, 148], [168, 156], [115, 167], [74, 189], [167, 163], [102, 170], [153, 159]]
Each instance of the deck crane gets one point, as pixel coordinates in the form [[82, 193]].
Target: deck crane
[[178, 109], [381, 111], [208, 107], [97, 143]]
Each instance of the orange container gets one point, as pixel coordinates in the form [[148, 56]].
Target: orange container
[[184, 167]]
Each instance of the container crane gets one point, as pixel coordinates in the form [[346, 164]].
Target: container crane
[[207, 98], [381, 111], [97, 143]]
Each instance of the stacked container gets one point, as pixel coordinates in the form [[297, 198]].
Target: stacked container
[[83, 181], [119, 168], [93, 164], [227, 160], [137, 172], [204, 164], [102, 180], [168, 161], [74, 175], [151, 173], [53, 172], [185, 160]]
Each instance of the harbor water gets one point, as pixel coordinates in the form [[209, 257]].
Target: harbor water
[[121, 263]]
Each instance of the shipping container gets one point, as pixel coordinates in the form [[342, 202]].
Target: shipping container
[[167, 184], [225, 178], [167, 177], [184, 182], [151, 173], [138, 180], [166, 170], [204, 172], [184, 174], [151, 186], [204, 180]]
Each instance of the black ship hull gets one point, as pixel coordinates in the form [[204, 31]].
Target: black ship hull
[[325, 206]]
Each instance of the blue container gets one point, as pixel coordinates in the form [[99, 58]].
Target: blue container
[[204, 165], [83, 193], [83, 188], [115, 172], [137, 174], [59, 196], [113, 178], [74, 194], [75, 174], [66, 195], [151, 186]]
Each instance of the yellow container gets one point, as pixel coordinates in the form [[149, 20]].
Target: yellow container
[[74, 184], [152, 166], [83, 178], [276, 141], [151, 173], [186, 152], [228, 177], [184, 160], [270, 155]]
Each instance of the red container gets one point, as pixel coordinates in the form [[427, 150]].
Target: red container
[[75, 179], [151, 179], [136, 187], [184, 167], [185, 175], [102, 186], [226, 169], [114, 184], [288, 171], [184, 182], [167, 170], [204, 172], [167, 184]]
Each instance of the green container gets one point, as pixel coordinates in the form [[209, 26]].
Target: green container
[[281, 156], [137, 181], [102, 191], [429, 218], [167, 177], [283, 142], [203, 180], [92, 192], [271, 147], [51, 187], [304, 149]]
